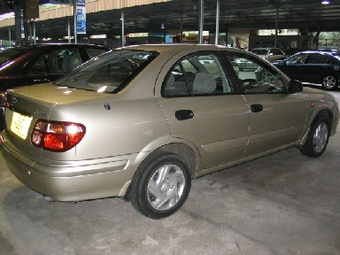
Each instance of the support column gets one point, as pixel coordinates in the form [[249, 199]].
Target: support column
[[217, 30], [200, 21], [123, 29], [18, 22], [75, 21], [276, 25]]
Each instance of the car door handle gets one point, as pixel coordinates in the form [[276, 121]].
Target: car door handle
[[184, 114], [256, 107]]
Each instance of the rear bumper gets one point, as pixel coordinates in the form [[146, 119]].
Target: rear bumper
[[72, 180]]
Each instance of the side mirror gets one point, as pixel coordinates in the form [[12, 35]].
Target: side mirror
[[295, 86]]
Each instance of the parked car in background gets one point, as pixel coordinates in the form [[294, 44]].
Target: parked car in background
[[139, 122], [244, 64], [4, 48], [320, 67], [40, 63], [270, 54]]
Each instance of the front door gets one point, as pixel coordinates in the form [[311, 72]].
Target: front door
[[277, 117]]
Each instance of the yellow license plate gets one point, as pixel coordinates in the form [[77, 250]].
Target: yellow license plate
[[20, 124]]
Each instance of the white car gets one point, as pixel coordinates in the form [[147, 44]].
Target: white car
[[270, 54]]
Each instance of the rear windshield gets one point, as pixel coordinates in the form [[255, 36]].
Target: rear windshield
[[110, 72], [10, 54]]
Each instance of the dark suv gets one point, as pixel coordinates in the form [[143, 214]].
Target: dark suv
[[27, 65], [40, 63]]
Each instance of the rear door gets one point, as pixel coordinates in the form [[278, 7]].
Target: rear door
[[316, 66], [202, 107]]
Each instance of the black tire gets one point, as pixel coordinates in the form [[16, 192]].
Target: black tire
[[330, 82], [317, 139], [160, 186]]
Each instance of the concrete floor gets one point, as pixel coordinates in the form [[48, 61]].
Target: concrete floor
[[283, 204]]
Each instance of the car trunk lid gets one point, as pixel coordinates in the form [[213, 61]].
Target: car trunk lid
[[26, 105]]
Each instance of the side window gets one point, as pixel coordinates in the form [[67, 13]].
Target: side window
[[297, 59], [39, 66], [198, 74], [56, 61], [317, 59], [255, 76], [70, 60]]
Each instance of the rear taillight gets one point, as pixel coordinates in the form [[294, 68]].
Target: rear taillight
[[57, 136]]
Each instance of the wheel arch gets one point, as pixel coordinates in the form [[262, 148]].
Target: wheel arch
[[326, 114], [316, 139], [188, 154]]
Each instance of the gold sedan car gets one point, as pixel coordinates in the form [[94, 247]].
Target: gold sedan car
[[140, 122]]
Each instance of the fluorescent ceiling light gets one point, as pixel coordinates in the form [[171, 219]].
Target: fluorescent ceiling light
[[325, 2]]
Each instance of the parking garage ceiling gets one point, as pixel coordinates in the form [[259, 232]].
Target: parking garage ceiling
[[253, 14]]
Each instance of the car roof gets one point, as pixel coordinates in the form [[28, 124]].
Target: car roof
[[181, 47], [317, 51], [43, 45], [334, 55], [175, 45], [56, 45], [170, 49], [30, 49]]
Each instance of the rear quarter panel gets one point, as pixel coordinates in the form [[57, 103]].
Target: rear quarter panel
[[113, 127]]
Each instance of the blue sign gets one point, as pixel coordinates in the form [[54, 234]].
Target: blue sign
[[81, 17]]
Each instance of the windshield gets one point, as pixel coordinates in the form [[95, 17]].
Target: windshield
[[110, 72]]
